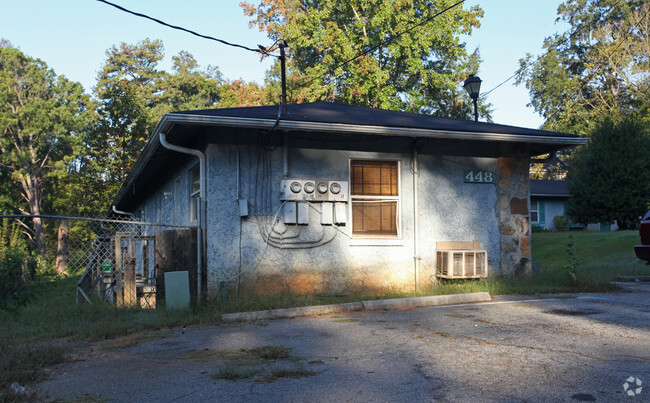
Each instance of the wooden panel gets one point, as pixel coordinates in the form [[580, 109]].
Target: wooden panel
[[176, 251]]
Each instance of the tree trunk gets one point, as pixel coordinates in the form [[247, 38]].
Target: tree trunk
[[62, 256], [32, 193]]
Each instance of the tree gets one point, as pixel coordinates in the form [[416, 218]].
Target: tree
[[608, 177], [189, 87], [340, 51], [41, 115], [598, 68], [133, 95], [238, 93]]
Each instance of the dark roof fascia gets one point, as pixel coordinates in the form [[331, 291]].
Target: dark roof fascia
[[257, 123], [549, 188], [551, 195]]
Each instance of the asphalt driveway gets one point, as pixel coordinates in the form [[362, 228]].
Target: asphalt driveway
[[573, 347]]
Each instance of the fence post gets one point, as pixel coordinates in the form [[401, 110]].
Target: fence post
[[62, 249]]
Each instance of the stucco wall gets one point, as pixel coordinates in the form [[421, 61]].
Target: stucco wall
[[170, 204], [331, 261], [449, 210]]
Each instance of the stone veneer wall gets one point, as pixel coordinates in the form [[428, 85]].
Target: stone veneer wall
[[513, 216]]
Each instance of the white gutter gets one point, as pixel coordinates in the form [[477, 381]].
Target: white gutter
[[202, 198], [285, 155], [116, 211]]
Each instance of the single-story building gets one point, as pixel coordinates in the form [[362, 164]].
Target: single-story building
[[548, 199], [334, 198]]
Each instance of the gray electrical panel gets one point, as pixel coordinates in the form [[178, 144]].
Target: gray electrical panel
[[340, 213], [290, 213], [327, 213], [243, 208], [303, 213]]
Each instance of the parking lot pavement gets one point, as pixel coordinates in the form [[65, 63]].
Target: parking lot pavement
[[570, 347]]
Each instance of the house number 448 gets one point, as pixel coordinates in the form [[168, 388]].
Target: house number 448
[[479, 177]]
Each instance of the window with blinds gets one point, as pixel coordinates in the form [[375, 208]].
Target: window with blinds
[[374, 197]]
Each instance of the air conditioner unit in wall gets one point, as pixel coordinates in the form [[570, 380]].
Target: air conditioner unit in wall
[[461, 260]]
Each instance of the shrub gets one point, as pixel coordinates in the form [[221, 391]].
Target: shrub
[[17, 267], [561, 223]]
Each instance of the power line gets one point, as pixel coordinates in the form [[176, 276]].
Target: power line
[[183, 29], [485, 94]]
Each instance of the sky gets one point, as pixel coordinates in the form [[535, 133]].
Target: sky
[[72, 37]]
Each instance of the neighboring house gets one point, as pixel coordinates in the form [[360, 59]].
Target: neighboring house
[[548, 199], [333, 198]]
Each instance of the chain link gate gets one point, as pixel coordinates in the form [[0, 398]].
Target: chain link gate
[[121, 261]]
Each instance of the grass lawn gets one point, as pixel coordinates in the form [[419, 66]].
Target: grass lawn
[[39, 335]]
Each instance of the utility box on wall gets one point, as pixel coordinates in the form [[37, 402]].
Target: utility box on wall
[[303, 213], [314, 190]]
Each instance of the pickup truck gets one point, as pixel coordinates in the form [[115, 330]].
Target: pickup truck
[[643, 251]]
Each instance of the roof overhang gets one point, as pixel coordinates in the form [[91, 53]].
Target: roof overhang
[[167, 123], [256, 123]]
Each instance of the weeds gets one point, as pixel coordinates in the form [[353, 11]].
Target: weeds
[[572, 261], [280, 373], [239, 366], [271, 352], [27, 332], [23, 364], [231, 373]]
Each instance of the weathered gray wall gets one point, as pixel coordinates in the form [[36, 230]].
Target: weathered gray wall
[[553, 208], [450, 210]]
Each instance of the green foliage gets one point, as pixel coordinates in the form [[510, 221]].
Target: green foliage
[[232, 373], [609, 176], [571, 263], [561, 223], [41, 115], [133, 95], [597, 68], [17, 268], [418, 71]]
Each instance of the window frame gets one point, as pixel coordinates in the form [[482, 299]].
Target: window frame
[[369, 239], [535, 210]]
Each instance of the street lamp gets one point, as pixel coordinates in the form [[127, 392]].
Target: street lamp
[[473, 86]]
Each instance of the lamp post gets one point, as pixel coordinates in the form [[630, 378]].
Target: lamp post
[[473, 86]]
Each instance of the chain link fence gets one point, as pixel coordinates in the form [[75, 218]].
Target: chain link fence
[[121, 261]]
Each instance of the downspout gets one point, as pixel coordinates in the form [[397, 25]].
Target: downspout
[[120, 212], [416, 220], [202, 199], [285, 155]]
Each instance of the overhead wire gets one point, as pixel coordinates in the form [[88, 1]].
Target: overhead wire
[[261, 51]]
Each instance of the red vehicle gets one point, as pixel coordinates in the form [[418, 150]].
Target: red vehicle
[[643, 251]]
